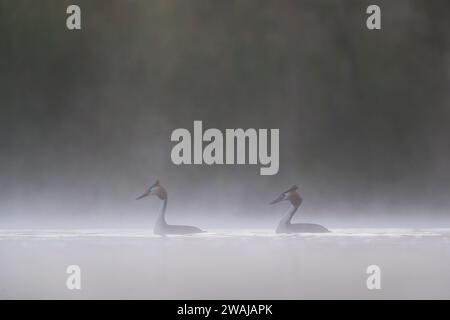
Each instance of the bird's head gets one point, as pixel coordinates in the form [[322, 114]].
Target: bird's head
[[290, 195], [155, 189]]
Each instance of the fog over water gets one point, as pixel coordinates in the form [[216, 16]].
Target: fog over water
[[225, 264], [86, 118]]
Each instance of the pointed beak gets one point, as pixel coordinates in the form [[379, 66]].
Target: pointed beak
[[280, 198], [143, 196]]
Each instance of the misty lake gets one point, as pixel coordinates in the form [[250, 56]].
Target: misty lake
[[225, 264]]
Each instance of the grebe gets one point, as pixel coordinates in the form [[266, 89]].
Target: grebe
[[161, 227], [285, 225]]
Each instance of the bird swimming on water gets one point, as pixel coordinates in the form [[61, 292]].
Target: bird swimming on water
[[285, 225], [161, 226]]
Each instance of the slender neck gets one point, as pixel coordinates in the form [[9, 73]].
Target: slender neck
[[162, 214], [288, 215]]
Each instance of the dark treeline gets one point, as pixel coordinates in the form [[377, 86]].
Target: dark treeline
[[363, 115]]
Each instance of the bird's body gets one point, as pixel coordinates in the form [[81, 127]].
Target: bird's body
[[285, 225], [161, 226], [175, 229]]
